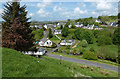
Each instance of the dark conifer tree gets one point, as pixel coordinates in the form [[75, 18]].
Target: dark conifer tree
[[16, 33]]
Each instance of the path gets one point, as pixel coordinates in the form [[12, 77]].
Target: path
[[96, 64], [76, 44]]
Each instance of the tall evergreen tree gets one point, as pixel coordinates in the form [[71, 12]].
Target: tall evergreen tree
[[16, 33], [50, 35]]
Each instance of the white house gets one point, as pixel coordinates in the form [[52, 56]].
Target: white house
[[45, 42], [76, 24], [113, 24], [59, 24], [41, 51], [67, 42], [91, 26], [98, 20], [57, 31], [45, 26]]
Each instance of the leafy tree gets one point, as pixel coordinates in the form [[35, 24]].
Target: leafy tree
[[81, 34], [96, 24], [88, 36], [104, 40], [84, 43], [16, 33], [105, 19], [96, 33], [73, 26], [38, 34], [100, 17], [67, 24], [65, 32], [90, 55], [116, 36], [77, 33], [50, 35]]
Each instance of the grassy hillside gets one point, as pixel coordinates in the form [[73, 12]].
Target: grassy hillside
[[16, 64]]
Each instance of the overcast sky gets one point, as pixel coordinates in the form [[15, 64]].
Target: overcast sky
[[49, 10]]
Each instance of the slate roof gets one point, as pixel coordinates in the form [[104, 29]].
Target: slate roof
[[41, 49], [44, 39]]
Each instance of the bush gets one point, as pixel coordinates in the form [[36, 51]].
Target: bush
[[84, 43], [90, 55], [54, 45], [67, 51], [60, 50], [105, 53], [104, 40], [92, 49]]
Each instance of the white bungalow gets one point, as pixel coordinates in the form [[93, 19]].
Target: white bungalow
[[91, 26], [41, 51], [45, 42], [59, 24], [57, 31], [67, 42]]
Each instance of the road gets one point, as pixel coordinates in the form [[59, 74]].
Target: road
[[96, 64]]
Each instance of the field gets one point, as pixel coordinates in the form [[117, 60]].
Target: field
[[16, 64]]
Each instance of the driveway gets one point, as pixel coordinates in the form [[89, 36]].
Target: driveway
[[96, 64]]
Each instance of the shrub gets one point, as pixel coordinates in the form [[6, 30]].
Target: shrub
[[54, 45], [105, 53], [67, 51], [90, 55], [60, 50], [92, 49], [84, 43], [104, 40]]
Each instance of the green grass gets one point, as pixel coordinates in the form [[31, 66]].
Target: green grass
[[16, 64], [55, 39]]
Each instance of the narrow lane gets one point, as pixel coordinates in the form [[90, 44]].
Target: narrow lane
[[96, 64]]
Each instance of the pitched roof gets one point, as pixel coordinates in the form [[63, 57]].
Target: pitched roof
[[41, 49], [44, 39]]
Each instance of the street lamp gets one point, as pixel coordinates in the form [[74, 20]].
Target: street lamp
[[60, 58]]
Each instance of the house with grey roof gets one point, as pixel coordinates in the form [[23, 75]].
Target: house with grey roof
[[57, 31], [40, 51], [67, 42], [45, 42], [59, 24], [115, 24]]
